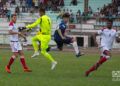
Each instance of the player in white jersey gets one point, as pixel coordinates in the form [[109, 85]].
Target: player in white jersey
[[107, 37], [15, 45]]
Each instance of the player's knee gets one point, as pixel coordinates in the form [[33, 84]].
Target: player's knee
[[73, 39], [60, 48], [33, 40], [21, 53], [14, 56], [22, 56], [43, 52], [106, 52], [107, 57]]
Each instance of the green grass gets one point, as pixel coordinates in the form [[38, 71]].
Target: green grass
[[69, 71]]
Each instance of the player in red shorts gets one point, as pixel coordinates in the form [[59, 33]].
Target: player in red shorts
[[15, 45], [107, 36]]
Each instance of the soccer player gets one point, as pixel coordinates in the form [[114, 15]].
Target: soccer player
[[15, 45], [107, 37], [61, 38], [45, 24]]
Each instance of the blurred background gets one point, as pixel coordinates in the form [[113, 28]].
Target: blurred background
[[86, 17]]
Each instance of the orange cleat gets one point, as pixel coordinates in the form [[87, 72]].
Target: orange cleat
[[27, 70], [7, 69]]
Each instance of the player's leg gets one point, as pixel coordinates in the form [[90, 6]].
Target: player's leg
[[73, 41], [11, 61], [105, 56], [44, 45], [59, 44], [15, 54], [35, 46], [39, 45], [23, 62], [75, 46]]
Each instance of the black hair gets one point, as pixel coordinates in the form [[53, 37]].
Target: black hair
[[42, 10], [13, 15], [110, 20], [66, 15]]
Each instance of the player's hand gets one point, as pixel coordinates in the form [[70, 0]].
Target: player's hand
[[118, 40], [25, 40], [28, 29], [19, 33]]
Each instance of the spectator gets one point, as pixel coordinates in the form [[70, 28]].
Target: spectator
[[36, 5], [13, 2], [78, 15], [23, 6], [90, 10], [8, 15], [72, 18], [17, 11], [61, 2], [49, 4], [73, 2]]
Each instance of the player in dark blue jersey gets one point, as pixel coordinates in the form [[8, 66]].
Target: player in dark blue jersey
[[60, 37]]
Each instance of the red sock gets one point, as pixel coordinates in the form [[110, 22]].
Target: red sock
[[102, 60], [92, 68], [23, 63], [10, 62]]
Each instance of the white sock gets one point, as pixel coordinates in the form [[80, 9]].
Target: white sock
[[75, 46], [54, 48]]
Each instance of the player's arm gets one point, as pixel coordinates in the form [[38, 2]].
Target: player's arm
[[12, 32], [61, 27], [94, 38], [117, 38], [19, 33], [30, 26], [99, 32], [60, 33]]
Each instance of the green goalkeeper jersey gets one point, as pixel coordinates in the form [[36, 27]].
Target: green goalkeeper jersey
[[45, 25]]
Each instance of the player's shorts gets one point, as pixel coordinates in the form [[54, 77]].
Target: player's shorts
[[60, 43], [15, 46], [103, 50]]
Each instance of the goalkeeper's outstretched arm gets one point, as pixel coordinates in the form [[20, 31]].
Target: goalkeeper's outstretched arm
[[37, 22]]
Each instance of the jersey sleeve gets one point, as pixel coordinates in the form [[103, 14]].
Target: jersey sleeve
[[62, 27], [99, 32], [117, 34], [10, 26], [30, 26]]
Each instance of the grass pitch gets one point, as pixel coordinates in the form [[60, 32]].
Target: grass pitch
[[69, 71]]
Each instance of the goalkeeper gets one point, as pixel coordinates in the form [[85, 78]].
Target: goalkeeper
[[45, 36]]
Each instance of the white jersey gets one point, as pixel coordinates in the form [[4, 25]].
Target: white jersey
[[14, 40], [13, 27], [107, 37]]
